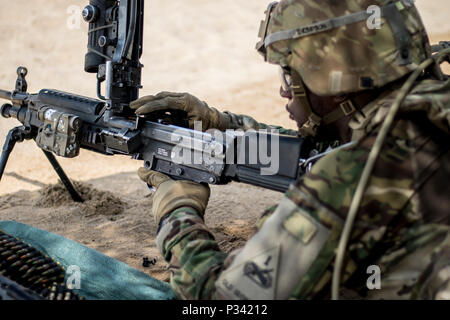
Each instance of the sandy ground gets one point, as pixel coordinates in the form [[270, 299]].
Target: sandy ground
[[198, 46]]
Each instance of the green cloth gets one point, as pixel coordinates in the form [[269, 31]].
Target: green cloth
[[102, 278]]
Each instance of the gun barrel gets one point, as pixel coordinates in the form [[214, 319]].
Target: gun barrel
[[6, 95]]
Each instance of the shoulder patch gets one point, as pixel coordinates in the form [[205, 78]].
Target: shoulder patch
[[254, 278], [300, 226], [274, 260]]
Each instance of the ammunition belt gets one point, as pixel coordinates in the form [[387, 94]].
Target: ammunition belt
[[32, 270]]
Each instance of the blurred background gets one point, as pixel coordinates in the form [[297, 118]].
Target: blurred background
[[199, 46]]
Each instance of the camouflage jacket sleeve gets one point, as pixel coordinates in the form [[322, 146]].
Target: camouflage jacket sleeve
[[400, 214], [280, 129], [244, 122], [194, 257]]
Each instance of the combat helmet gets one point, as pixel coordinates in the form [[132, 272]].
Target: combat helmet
[[337, 47]]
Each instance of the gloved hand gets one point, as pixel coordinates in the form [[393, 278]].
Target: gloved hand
[[197, 110], [171, 194]]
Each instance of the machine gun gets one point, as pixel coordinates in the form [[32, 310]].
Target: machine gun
[[61, 123]]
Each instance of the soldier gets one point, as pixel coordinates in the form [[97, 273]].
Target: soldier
[[380, 205]]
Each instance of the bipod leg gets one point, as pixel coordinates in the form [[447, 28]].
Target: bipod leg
[[14, 135], [64, 179]]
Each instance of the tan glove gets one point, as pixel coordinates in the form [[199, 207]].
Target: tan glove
[[197, 110], [171, 195]]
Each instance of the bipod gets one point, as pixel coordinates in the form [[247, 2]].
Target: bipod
[[18, 134]]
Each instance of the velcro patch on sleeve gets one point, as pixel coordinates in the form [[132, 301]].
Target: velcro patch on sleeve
[[300, 226]]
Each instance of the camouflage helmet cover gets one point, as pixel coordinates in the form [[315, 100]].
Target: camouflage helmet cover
[[350, 57]]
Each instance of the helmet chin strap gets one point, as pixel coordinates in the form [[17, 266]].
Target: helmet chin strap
[[311, 126]]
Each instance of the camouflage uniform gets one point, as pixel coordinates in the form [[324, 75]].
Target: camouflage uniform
[[402, 224]]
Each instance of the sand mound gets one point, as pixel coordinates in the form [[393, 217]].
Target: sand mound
[[96, 202]]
